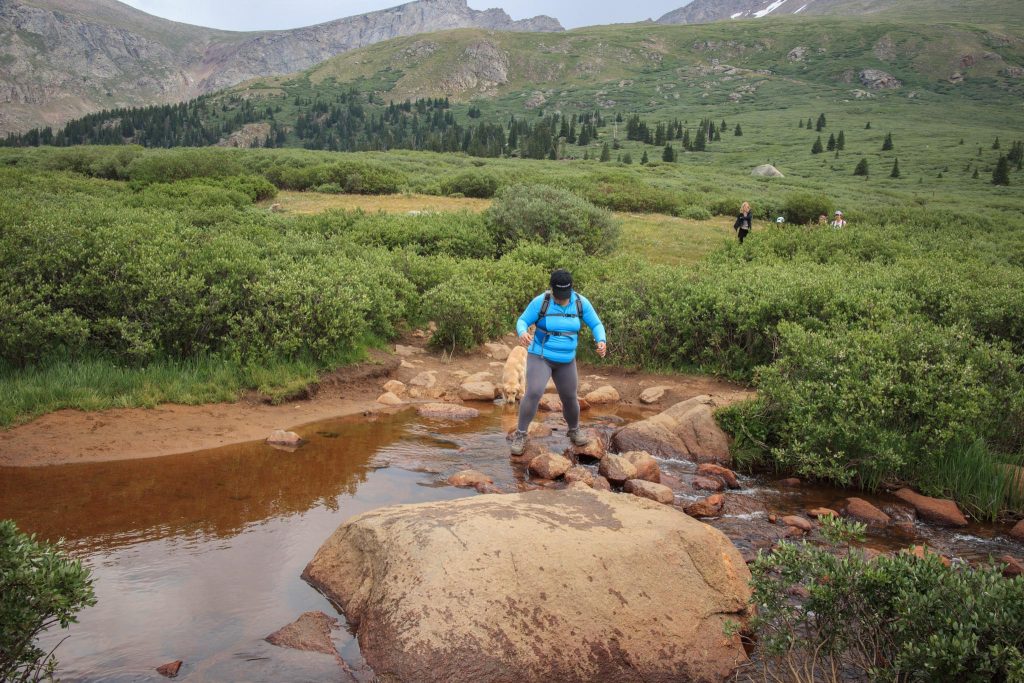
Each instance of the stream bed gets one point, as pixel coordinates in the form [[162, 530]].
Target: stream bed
[[198, 556]]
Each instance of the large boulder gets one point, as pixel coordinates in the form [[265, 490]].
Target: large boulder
[[766, 171], [645, 464], [935, 510], [477, 391], [617, 469], [686, 430], [573, 585], [876, 79], [549, 466]]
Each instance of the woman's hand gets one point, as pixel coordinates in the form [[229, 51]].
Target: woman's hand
[[602, 349], [526, 338]]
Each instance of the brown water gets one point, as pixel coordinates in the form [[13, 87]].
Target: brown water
[[198, 556]]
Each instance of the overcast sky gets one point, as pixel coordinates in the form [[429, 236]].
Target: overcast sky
[[251, 15]]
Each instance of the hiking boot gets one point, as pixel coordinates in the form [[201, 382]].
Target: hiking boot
[[517, 444], [577, 437]]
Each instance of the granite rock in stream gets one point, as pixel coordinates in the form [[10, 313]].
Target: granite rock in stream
[[685, 430], [645, 464], [863, 511], [935, 510], [572, 585]]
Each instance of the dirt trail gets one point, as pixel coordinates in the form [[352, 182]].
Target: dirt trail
[[70, 436]]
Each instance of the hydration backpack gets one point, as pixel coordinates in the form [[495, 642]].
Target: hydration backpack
[[544, 313]]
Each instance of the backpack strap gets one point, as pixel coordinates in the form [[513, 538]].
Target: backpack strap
[[543, 313]]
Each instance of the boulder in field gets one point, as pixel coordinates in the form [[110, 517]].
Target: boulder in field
[[766, 171], [473, 590], [863, 511], [727, 476], [685, 430], [549, 466], [602, 395], [469, 478], [311, 632], [646, 466], [280, 437], [447, 411], [876, 79], [478, 391], [935, 510], [650, 490], [616, 469], [706, 507]]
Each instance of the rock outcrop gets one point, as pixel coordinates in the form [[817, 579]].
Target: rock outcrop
[[573, 585], [876, 79], [686, 430], [766, 171]]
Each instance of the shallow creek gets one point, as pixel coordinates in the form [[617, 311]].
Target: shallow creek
[[198, 556]]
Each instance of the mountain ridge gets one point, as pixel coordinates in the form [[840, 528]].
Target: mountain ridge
[[63, 58]]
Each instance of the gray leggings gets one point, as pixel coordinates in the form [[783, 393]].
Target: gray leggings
[[538, 371]]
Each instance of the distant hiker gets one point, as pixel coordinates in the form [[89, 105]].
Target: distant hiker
[[839, 221], [823, 220], [742, 225], [551, 353]]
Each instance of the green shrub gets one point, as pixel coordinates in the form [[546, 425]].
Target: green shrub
[[547, 214], [625, 192], [802, 208], [40, 587], [477, 184], [167, 166], [893, 618]]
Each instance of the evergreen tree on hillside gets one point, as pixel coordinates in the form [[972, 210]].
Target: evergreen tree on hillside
[[975, 174], [995, 145], [821, 123], [841, 141], [831, 143], [801, 123], [644, 159], [718, 135], [868, 126], [687, 142], [739, 131], [606, 152], [895, 169], [668, 154], [1001, 174], [809, 123], [627, 158], [887, 143], [862, 167], [816, 148], [722, 126], [700, 144]]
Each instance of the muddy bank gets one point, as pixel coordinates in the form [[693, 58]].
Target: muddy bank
[[71, 436]]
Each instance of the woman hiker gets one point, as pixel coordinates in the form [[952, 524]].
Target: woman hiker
[[743, 222], [551, 353]]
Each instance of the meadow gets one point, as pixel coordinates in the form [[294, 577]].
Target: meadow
[[886, 352]]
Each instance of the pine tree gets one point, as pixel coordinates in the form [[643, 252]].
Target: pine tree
[[801, 123], [1001, 174], [700, 144], [668, 154], [718, 136], [816, 148], [586, 155], [841, 141], [862, 167], [831, 143], [961, 141], [606, 152], [627, 158], [975, 174], [895, 169], [644, 159], [821, 123], [868, 127], [739, 131], [809, 124], [995, 145], [887, 143]]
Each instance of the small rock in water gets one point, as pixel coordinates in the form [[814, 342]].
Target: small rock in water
[[447, 411], [935, 510], [648, 489], [280, 437], [799, 522], [863, 511], [469, 478], [791, 482], [646, 466], [580, 474], [549, 466], [727, 476], [708, 484], [617, 469], [170, 669], [593, 450], [1018, 530], [602, 395], [389, 399], [551, 403], [706, 507], [311, 632], [822, 512]]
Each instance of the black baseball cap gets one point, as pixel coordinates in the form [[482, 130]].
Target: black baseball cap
[[561, 283]]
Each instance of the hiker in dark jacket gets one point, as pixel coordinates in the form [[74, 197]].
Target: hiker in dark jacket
[[743, 222], [551, 353]]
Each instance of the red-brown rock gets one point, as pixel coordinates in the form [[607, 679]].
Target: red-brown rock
[[593, 450], [687, 429], [921, 552], [727, 476], [646, 466], [470, 478], [1018, 530], [280, 437], [863, 511], [935, 510], [311, 632], [551, 403], [170, 669], [601, 484], [549, 466], [708, 484], [799, 522], [789, 482], [706, 507], [617, 469], [648, 489], [822, 512], [580, 474], [447, 411], [1014, 567]]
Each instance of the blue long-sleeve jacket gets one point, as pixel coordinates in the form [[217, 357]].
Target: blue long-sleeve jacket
[[559, 348]]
